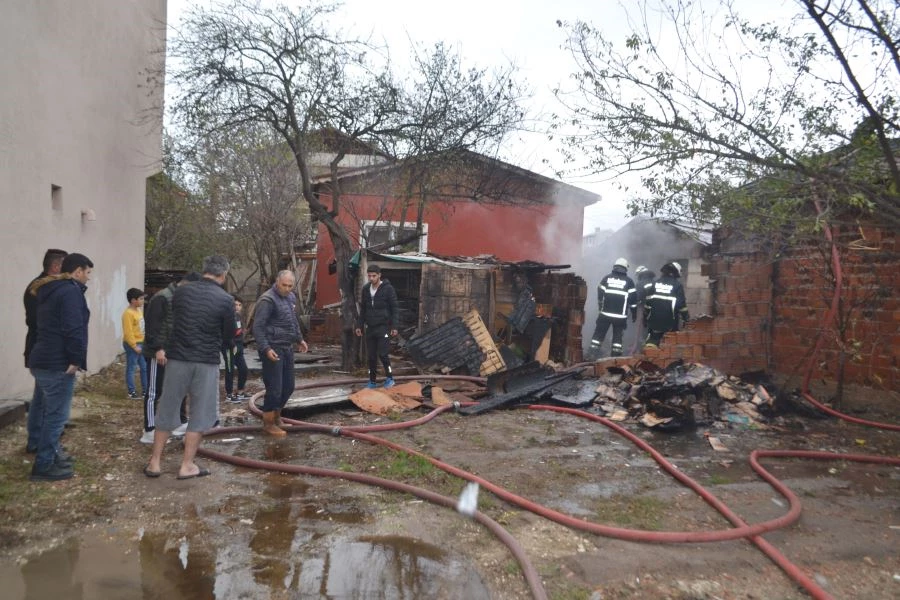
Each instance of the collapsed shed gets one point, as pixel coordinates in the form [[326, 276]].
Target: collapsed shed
[[449, 304]]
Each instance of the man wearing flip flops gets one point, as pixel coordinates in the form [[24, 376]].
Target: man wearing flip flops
[[203, 314]]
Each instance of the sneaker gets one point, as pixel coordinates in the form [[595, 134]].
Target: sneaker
[[55, 472], [148, 436], [242, 396], [133, 396], [389, 382], [234, 399], [180, 430], [371, 385]]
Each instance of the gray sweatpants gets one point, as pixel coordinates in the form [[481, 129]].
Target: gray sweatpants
[[201, 381]]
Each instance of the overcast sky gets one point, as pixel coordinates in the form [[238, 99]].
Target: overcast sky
[[496, 32]]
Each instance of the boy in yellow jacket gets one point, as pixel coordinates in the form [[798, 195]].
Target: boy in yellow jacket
[[133, 341]]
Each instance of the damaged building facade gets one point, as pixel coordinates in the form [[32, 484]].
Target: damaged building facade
[[487, 231]]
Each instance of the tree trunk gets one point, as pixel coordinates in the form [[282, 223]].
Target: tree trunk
[[346, 285]]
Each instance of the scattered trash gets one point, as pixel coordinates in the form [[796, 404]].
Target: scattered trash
[[716, 444]]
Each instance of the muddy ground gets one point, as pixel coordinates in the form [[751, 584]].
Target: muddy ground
[[243, 533]]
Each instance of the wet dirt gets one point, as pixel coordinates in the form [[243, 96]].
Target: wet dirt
[[244, 533]]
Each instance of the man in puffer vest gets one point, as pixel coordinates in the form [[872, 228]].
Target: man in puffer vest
[[276, 331]]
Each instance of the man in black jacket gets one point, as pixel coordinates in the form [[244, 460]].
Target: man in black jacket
[[59, 352], [276, 331], [378, 315], [158, 321], [203, 316], [52, 266]]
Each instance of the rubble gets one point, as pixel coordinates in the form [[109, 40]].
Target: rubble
[[682, 395]]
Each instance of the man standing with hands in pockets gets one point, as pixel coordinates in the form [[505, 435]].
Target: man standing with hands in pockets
[[276, 331]]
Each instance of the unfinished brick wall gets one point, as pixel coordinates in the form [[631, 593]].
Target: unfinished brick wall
[[735, 337], [869, 315], [567, 292], [768, 315]]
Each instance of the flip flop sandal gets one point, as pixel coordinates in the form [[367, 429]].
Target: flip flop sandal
[[201, 473], [151, 474]]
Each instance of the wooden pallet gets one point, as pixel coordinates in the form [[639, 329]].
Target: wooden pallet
[[493, 362]]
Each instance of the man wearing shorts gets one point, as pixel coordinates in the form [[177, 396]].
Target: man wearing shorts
[[203, 314]]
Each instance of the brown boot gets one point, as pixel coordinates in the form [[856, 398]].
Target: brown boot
[[269, 426], [278, 421]]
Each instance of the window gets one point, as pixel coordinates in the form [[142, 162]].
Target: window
[[55, 197], [377, 233]]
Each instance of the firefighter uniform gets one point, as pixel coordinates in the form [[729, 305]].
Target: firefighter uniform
[[616, 297], [644, 282], [665, 304]]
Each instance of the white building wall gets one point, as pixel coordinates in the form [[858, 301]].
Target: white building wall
[[77, 111]]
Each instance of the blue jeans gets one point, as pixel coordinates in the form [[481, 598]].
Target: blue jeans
[[134, 359], [35, 418], [278, 377], [56, 388]]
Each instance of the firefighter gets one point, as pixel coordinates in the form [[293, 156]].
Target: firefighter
[[665, 304], [616, 297], [645, 279]]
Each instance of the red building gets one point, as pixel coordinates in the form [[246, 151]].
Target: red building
[[473, 205]]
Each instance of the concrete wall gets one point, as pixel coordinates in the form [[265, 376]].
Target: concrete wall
[[77, 114]]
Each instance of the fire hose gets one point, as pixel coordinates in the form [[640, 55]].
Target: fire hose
[[740, 529]]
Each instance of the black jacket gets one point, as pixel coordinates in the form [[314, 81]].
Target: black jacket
[[30, 302], [378, 311], [275, 322], [62, 317], [158, 321], [616, 295], [665, 302], [203, 316]]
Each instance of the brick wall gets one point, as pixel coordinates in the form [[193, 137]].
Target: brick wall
[[734, 338], [567, 293], [767, 315], [870, 263]]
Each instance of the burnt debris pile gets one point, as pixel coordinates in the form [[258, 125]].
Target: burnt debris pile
[[682, 395]]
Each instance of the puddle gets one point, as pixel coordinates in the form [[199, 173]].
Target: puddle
[[277, 555]]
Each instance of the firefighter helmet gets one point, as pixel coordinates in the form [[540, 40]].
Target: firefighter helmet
[[677, 267], [621, 262], [640, 269]]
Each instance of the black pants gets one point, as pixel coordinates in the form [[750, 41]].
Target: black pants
[[378, 344], [156, 374], [278, 377], [234, 361], [655, 337], [618, 327]]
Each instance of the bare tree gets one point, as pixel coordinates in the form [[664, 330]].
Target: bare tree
[[722, 102], [786, 131], [243, 63], [251, 178], [180, 229]]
